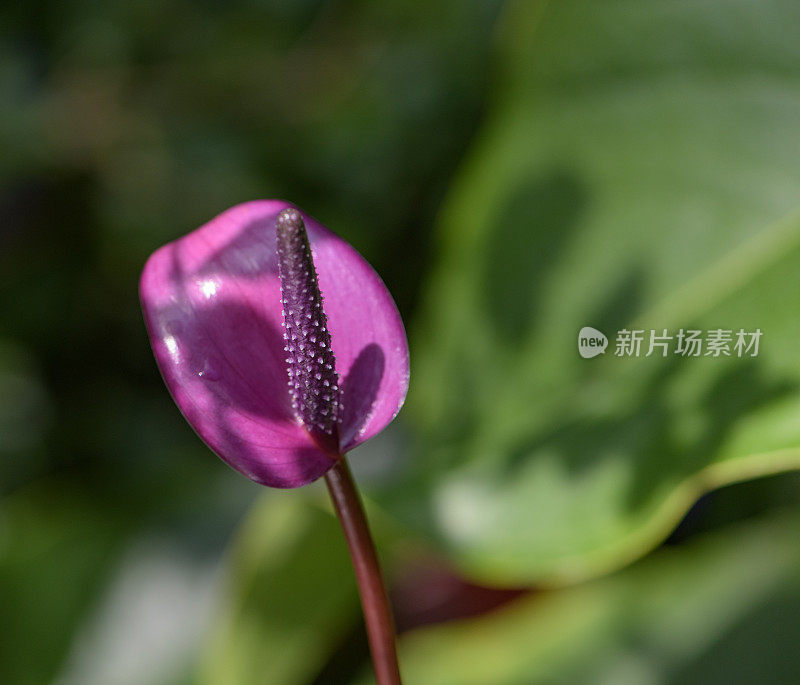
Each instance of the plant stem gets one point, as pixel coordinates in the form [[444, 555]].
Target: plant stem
[[374, 601]]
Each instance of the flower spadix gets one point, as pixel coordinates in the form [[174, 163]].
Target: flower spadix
[[313, 381], [279, 343]]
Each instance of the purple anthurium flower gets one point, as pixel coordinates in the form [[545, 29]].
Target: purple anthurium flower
[[278, 375], [283, 349]]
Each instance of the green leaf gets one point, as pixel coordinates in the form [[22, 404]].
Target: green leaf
[[721, 609], [638, 169], [57, 547], [291, 597]]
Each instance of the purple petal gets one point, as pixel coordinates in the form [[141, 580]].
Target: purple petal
[[212, 306]]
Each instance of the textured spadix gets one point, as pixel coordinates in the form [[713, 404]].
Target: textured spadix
[[212, 303], [313, 381]]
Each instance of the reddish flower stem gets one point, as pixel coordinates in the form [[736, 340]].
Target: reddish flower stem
[[374, 601]]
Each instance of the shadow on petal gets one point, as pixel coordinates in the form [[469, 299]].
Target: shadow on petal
[[228, 351], [289, 467], [251, 253], [360, 391]]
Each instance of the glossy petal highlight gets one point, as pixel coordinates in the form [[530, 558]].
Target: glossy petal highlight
[[212, 305]]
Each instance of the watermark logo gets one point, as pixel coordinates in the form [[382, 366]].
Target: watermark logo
[[719, 342], [591, 342]]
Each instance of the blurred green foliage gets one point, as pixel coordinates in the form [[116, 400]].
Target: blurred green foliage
[[292, 597], [639, 171], [608, 164], [722, 609]]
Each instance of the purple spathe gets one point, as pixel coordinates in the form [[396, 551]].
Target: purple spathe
[[212, 305]]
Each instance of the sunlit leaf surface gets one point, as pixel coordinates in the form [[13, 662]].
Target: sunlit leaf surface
[[638, 169]]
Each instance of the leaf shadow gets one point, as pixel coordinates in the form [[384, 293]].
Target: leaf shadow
[[529, 236], [649, 437]]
